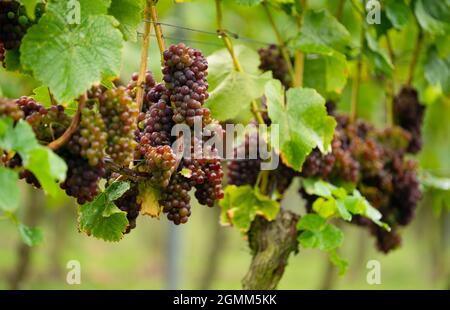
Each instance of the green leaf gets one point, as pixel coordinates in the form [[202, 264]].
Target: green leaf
[[29, 6], [325, 207], [70, 58], [248, 2], [89, 7], [9, 191], [220, 63], [434, 182], [316, 233], [437, 70], [47, 167], [129, 14], [241, 204], [303, 122], [19, 138], [330, 238], [231, 98], [12, 61], [326, 74], [321, 33], [433, 16], [101, 217], [377, 56], [338, 261], [318, 187], [30, 235], [42, 95], [311, 222], [398, 12]]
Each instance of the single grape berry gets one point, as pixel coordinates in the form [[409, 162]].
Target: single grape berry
[[120, 115]]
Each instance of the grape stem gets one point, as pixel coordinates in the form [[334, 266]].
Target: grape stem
[[144, 56], [357, 80], [124, 171], [299, 55], [237, 66], [56, 144], [340, 10], [52, 98], [415, 57], [158, 31], [281, 43]]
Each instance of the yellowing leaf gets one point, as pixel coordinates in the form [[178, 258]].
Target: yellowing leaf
[[149, 199]]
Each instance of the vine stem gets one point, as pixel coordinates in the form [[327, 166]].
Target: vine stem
[[158, 31], [284, 51], [390, 87], [144, 56], [340, 10], [299, 64], [237, 66], [56, 144], [415, 57], [357, 80]]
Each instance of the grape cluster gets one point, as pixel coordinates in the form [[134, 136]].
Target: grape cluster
[[120, 116], [176, 200], [82, 181], [90, 138], [129, 204], [272, 60], [375, 162], [48, 123], [10, 109], [185, 72], [14, 23], [157, 125], [161, 162], [409, 113]]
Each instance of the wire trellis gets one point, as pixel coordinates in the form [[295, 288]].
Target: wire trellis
[[216, 34]]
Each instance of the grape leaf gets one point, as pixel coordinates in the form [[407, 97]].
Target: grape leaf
[[303, 122], [41, 94], [19, 138], [32, 236], [101, 217], [230, 100], [129, 15], [316, 233], [241, 204], [326, 74], [89, 7], [398, 12], [149, 197], [437, 70], [338, 261], [433, 16], [12, 60], [431, 181], [321, 33], [29, 7], [377, 56], [220, 63], [9, 191], [47, 167], [70, 58]]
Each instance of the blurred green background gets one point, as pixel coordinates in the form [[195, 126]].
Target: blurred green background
[[216, 257]]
